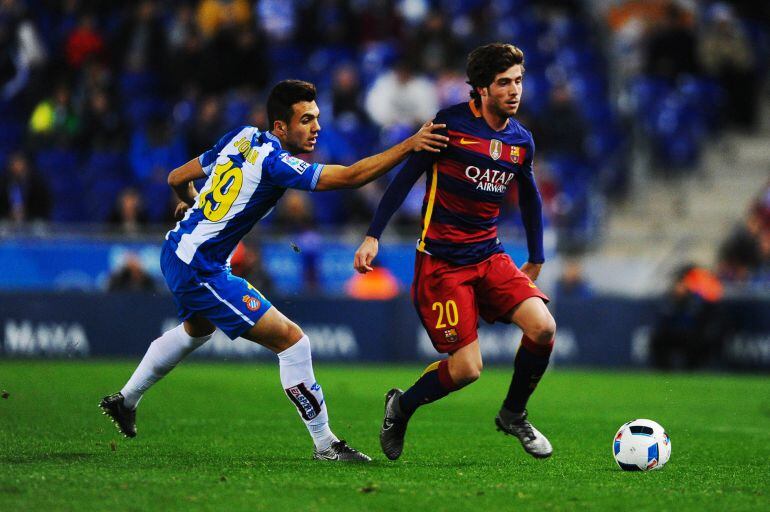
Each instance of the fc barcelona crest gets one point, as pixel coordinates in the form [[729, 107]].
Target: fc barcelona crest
[[252, 303], [515, 154], [495, 149], [451, 335]]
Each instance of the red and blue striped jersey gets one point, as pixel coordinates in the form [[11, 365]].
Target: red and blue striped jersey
[[466, 186]]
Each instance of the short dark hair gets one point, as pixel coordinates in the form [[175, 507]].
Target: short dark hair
[[485, 62], [285, 94]]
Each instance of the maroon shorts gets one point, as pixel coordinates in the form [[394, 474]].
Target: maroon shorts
[[449, 298]]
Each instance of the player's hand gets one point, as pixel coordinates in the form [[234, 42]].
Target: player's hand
[[532, 270], [180, 210], [366, 254], [427, 140]]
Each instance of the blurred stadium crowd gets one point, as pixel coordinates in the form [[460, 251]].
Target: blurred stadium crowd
[[100, 99]]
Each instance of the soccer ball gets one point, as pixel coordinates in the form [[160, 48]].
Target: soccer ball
[[641, 445]]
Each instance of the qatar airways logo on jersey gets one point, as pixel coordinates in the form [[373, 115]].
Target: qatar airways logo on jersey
[[489, 180]]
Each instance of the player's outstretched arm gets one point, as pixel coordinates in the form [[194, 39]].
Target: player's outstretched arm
[[391, 201], [181, 180], [370, 168]]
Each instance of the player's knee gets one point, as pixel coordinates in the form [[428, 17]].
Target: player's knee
[[544, 331], [285, 336], [467, 373], [292, 332], [194, 343], [194, 333]]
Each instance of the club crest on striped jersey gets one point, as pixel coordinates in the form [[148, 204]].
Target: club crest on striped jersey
[[495, 149], [252, 303], [515, 154]]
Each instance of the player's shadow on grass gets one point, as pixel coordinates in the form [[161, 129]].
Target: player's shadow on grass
[[44, 457]]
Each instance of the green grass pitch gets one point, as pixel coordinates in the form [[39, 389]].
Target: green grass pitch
[[225, 437]]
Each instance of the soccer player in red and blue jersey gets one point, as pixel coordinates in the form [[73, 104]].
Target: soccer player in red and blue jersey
[[461, 268]]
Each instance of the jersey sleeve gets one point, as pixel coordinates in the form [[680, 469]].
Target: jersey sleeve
[[397, 191], [289, 171], [416, 165], [531, 206], [209, 158]]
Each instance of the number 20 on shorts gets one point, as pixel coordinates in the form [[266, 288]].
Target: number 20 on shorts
[[447, 313]]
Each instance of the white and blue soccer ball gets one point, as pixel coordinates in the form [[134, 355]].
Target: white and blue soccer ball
[[641, 445]]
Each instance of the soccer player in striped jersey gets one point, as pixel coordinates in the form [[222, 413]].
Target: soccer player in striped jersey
[[461, 269], [246, 173]]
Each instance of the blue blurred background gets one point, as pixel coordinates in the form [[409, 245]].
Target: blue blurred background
[[650, 118]]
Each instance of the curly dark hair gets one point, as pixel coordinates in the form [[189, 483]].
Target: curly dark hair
[[485, 62]]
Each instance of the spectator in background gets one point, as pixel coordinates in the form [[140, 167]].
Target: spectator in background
[[207, 123], [726, 54], [360, 204], [401, 97], [562, 130], [184, 71], [153, 151], [24, 194], [141, 39], [741, 254], [763, 272], [295, 213], [247, 48], [571, 284], [761, 209], [436, 47], [247, 263], [24, 55], [128, 215], [95, 77], [14, 75], [183, 26], [103, 126], [84, 42], [346, 91], [377, 21], [276, 19], [378, 284], [237, 51], [216, 15], [690, 329], [131, 277], [295, 218], [54, 120], [258, 116], [762, 206], [744, 257], [671, 45], [451, 87], [326, 23]]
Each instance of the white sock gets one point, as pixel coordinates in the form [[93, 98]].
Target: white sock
[[298, 380], [162, 356]]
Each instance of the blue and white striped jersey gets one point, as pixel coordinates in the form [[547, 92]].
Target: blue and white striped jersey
[[248, 172]]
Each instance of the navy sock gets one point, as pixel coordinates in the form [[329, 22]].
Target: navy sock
[[528, 368], [434, 384]]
